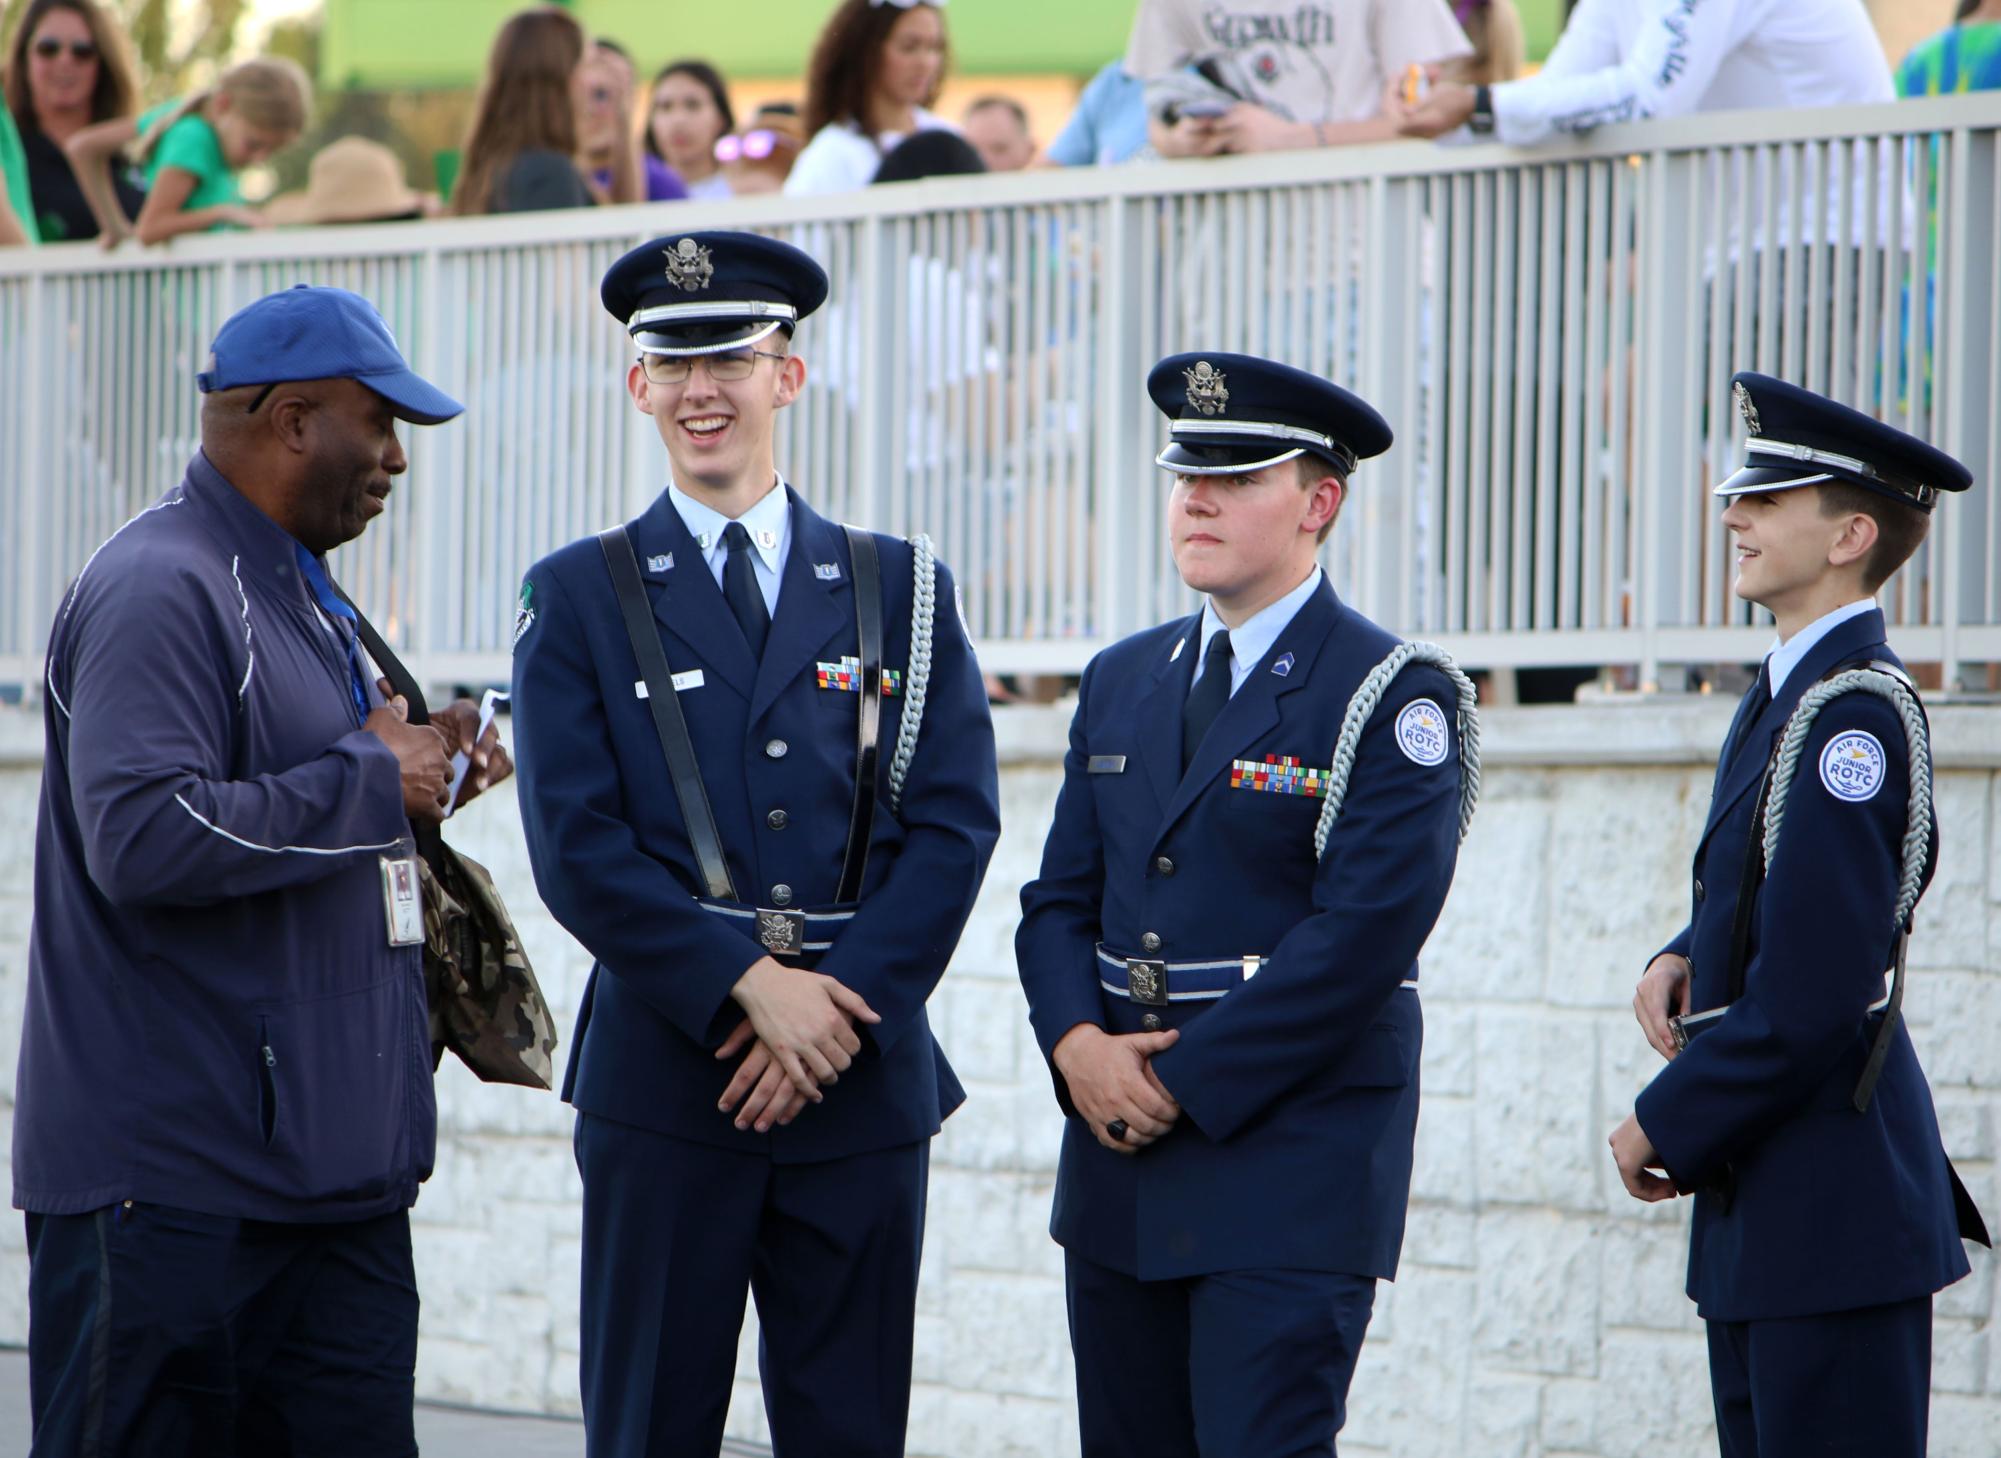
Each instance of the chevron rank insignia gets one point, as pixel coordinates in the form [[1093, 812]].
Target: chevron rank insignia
[[844, 676], [1279, 774]]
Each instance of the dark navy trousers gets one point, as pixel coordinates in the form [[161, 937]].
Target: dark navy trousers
[[1240, 1364], [1846, 1384], [161, 1331], [675, 1234]]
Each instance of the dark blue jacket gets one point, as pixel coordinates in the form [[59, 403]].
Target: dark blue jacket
[[611, 853], [1830, 1209], [1299, 1088], [215, 1019]]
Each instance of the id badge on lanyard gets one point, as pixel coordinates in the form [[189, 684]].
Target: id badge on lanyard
[[402, 902]]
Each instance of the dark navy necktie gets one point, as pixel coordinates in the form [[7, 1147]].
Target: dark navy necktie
[[1211, 692], [1755, 704], [740, 589]]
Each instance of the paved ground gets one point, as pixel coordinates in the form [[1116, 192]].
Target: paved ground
[[442, 1432]]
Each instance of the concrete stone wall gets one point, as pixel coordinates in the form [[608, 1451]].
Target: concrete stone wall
[[1539, 1312]]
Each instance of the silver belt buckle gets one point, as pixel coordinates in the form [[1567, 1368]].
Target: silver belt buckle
[[781, 933], [1146, 981]]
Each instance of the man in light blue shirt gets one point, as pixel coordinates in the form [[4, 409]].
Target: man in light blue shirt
[[1109, 124]]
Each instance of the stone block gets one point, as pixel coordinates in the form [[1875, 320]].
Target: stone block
[[1446, 1065], [983, 1024], [976, 1424], [1538, 1307], [1646, 1270], [1959, 1354], [1409, 1393], [1491, 940], [1435, 1235], [1965, 1427], [1506, 1413], [1014, 1332], [1443, 1166], [1966, 1124], [1972, 1297], [1952, 928], [1568, 1411], [1961, 1046], [1652, 1397], [1534, 1131]]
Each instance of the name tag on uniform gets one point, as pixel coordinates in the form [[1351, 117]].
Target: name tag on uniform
[[1106, 764], [405, 912], [683, 681]]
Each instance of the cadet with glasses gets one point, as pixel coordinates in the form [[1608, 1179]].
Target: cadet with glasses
[[1826, 1212], [758, 782]]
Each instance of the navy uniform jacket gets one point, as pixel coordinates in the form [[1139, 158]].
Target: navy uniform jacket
[[1832, 1209], [1298, 1088], [611, 854]]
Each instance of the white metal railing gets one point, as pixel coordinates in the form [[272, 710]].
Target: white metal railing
[[1551, 333]]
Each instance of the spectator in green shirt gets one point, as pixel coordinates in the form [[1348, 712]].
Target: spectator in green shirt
[[17, 210], [192, 150], [1967, 57]]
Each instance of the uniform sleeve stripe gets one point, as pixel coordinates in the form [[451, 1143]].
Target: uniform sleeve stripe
[[275, 850]]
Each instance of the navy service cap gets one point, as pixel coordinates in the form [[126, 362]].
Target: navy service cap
[[1798, 438], [702, 293], [1232, 413], [311, 333]]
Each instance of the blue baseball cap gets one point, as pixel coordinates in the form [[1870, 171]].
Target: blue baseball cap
[[310, 333]]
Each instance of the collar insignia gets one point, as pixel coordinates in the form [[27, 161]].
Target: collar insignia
[[1283, 666], [662, 563], [689, 266], [1746, 409], [1205, 388], [827, 571]]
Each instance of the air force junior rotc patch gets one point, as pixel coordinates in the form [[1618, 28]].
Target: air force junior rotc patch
[[1852, 766], [524, 614], [1421, 732], [1279, 774]]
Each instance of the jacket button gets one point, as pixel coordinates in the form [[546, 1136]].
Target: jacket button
[[1150, 942], [781, 895], [778, 820], [1151, 1022], [1699, 893], [1164, 865], [776, 749]]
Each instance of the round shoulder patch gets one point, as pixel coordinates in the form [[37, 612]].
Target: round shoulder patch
[[1853, 765], [1421, 732]]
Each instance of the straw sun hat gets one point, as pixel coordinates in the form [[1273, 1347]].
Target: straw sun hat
[[352, 180]]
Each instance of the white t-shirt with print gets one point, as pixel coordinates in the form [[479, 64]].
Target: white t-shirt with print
[[1306, 60]]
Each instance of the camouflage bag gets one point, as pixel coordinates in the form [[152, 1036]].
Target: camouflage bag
[[486, 1005]]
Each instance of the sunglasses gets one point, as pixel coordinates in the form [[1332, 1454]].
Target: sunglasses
[[48, 48], [753, 146]]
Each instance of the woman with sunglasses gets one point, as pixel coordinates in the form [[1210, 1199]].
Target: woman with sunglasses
[[877, 66], [690, 114], [67, 70]]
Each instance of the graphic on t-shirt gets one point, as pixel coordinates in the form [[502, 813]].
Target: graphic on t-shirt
[[1279, 50]]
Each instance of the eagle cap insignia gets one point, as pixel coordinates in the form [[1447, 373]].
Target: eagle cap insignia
[[689, 266], [1746, 408], [1205, 388]]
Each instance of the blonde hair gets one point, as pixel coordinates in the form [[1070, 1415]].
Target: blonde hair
[[271, 93], [1494, 29]]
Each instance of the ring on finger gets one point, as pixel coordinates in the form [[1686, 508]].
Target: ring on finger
[[1117, 1129]]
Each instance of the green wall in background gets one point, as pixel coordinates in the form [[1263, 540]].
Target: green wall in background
[[425, 44]]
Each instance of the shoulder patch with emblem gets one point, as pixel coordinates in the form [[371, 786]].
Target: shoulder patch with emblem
[[1421, 732], [524, 614], [1853, 766]]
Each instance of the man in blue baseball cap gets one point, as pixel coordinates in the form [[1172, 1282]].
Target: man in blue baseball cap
[[1220, 952], [224, 1101], [1826, 1213]]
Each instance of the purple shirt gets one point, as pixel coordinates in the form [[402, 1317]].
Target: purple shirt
[[663, 183]]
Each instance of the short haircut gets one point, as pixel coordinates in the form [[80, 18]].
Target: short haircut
[[1005, 103], [1900, 529], [1315, 469]]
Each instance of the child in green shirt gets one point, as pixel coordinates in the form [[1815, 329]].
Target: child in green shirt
[[17, 211], [191, 151]]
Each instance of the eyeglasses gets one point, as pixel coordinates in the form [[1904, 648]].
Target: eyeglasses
[[752, 146], [674, 369], [48, 48]]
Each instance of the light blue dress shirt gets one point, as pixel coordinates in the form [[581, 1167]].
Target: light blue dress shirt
[[1250, 643], [1785, 657], [769, 524]]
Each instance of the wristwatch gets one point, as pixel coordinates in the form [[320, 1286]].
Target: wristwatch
[[1481, 122]]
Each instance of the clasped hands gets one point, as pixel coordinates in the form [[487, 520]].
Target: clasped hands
[[1663, 991], [1111, 1077], [800, 1029]]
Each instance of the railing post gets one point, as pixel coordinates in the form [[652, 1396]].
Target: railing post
[[36, 562], [1119, 445], [1962, 368], [873, 316], [1389, 293], [1667, 466]]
